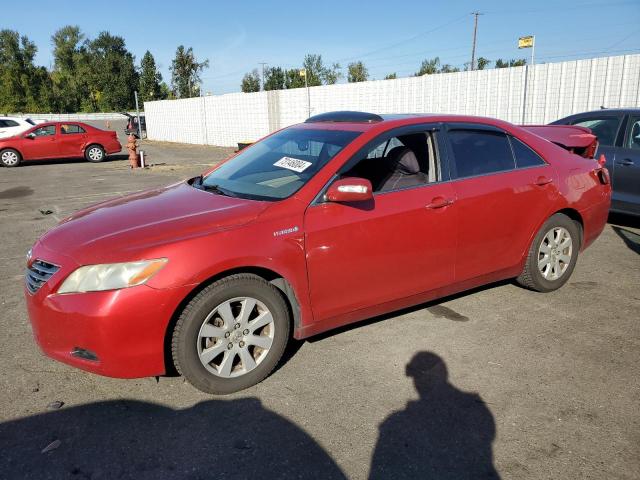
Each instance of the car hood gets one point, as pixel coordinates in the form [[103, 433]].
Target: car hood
[[119, 229]]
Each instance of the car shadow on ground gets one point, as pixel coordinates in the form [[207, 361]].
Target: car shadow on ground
[[445, 434], [57, 161]]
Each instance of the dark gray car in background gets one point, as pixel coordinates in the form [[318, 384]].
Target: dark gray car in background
[[618, 132]]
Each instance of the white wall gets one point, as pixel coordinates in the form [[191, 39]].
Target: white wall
[[553, 90]]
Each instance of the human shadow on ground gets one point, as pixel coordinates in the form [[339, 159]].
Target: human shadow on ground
[[630, 239], [215, 439], [445, 434]]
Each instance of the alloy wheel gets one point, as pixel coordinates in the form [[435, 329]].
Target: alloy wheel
[[554, 253], [235, 337], [95, 154], [10, 158]]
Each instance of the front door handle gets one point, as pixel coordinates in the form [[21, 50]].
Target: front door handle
[[627, 162], [542, 180], [440, 202]]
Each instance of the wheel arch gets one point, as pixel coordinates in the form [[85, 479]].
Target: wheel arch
[[574, 215], [273, 277], [2, 149]]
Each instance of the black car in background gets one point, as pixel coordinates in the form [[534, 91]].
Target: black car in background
[[132, 125], [618, 132]]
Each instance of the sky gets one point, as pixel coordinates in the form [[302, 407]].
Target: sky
[[388, 36]]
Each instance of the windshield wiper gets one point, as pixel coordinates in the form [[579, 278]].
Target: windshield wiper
[[198, 183]]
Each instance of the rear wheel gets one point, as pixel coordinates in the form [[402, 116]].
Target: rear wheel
[[231, 335], [552, 256], [94, 153], [10, 157]]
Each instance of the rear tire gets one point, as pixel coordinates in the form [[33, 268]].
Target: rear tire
[[94, 153], [231, 335], [552, 256], [10, 157]]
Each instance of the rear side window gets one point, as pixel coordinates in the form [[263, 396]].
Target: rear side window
[[634, 134], [479, 152], [11, 123], [605, 128], [66, 129], [525, 157]]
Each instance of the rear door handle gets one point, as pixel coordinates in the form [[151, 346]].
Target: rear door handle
[[626, 162], [440, 202], [540, 181]]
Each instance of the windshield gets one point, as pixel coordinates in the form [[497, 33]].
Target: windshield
[[279, 165]]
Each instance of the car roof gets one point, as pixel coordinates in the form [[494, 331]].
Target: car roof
[[363, 121], [606, 110]]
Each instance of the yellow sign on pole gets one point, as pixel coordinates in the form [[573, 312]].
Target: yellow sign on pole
[[303, 72], [526, 42]]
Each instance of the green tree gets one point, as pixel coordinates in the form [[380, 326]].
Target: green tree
[[357, 72], [251, 81], [483, 63], [293, 79], [111, 74], [391, 76], [318, 73], [274, 78], [150, 79], [70, 86], [185, 73], [510, 63], [428, 67], [446, 68], [23, 86]]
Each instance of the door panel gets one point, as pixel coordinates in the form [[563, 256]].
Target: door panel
[[626, 171], [498, 214], [71, 144], [43, 145], [402, 243]]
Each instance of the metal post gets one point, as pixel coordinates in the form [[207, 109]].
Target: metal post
[[306, 85], [135, 94], [533, 49], [475, 34], [263, 64]]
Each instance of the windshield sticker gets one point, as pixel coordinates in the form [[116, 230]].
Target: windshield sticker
[[293, 164]]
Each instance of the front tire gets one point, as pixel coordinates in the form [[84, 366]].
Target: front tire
[[552, 256], [94, 153], [231, 335], [10, 157]]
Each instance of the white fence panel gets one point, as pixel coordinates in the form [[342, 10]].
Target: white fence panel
[[538, 94]]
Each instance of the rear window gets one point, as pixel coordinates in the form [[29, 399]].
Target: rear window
[[28, 120], [479, 152], [525, 157], [279, 165], [605, 128]]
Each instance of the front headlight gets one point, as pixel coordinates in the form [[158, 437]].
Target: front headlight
[[111, 276]]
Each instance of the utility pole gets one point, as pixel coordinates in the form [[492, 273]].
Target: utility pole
[[263, 64], [475, 34]]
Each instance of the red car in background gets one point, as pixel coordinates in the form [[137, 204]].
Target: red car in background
[[59, 140], [346, 216]]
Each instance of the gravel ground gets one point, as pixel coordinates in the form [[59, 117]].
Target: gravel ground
[[498, 382]]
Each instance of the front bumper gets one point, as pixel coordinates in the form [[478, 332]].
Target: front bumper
[[124, 328]]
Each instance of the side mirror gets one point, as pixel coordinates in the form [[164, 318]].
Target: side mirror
[[30, 136], [350, 189]]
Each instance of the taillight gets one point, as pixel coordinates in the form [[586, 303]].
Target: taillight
[[603, 176]]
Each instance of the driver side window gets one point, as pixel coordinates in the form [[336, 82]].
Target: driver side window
[[399, 162], [45, 131]]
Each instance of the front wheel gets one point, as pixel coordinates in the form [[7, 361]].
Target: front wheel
[[10, 157], [94, 153], [552, 256], [231, 335]]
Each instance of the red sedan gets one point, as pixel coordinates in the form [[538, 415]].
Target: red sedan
[[347, 216], [59, 140]]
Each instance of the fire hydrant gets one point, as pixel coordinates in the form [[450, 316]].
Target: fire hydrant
[[133, 153]]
